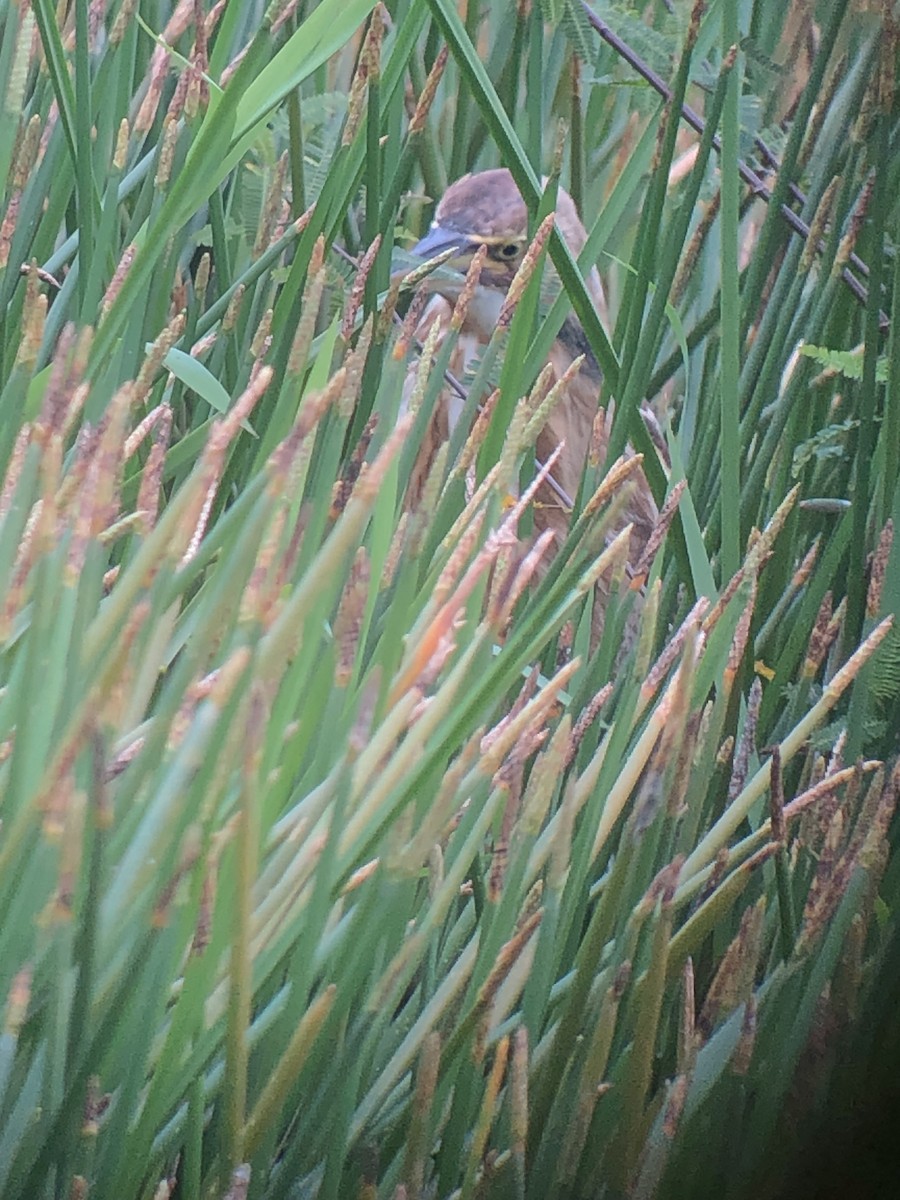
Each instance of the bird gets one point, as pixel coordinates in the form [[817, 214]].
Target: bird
[[486, 209]]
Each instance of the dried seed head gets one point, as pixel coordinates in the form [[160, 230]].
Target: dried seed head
[[741, 637], [878, 569], [819, 224], [203, 928], [672, 649], [262, 339], [857, 217], [475, 440], [873, 853], [348, 622], [890, 35], [513, 442], [122, 22], [665, 884], [659, 531], [803, 572], [747, 744], [828, 886], [693, 30], [27, 153], [369, 60], [862, 126], [355, 365], [510, 778], [156, 354], [371, 479], [687, 1032], [120, 154], [410, 325], [460, 557], [34, 314], [675, 1101], [100, 504], [152, 476], [821, 637], [724, 599], [473, 276], [586, 719], [306, 327], [395, 552], [733, 981], [506, 958], [423, 370], [776, 798], [115, 284], [542, 385], [683, 743], [17, 1001], [201, 278], [660, 139], [520, 576], [743, 1051], [197, 98], [285, 9], [167, 152], [725, 751], [159, 69], [63, 387], [760, 548], [526, 270], [614, 479], [8, 228], [709, 213], [426, 504], [423, 107], [222, 434], [229, 320], [343, 487], [14, 469], [271, 208], [858, 659], [540, 412], [20, 32], [260, 601], [358, 288], [374, 40]]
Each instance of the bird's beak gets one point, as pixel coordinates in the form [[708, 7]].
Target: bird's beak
[[447, 245], [438, 241]]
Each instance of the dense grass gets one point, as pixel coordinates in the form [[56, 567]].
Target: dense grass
[[334, 861]]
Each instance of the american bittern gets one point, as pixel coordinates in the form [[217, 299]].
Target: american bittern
[[487, 209]]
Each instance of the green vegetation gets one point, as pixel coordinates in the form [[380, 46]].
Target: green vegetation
[[333, 861]]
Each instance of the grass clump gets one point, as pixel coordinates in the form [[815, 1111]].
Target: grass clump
[[335, 858]]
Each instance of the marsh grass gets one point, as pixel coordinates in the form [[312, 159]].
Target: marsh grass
[[334, 861]]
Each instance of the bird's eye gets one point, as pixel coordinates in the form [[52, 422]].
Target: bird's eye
[[510, 250]]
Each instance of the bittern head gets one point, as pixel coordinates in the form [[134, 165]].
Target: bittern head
[[480, 210], [487, 210]]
